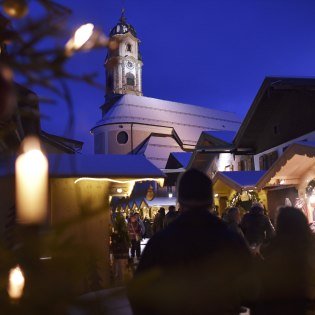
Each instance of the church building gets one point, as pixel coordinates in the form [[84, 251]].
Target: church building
[[135, 124]]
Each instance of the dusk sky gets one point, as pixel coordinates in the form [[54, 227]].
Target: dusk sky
[[213, 53]]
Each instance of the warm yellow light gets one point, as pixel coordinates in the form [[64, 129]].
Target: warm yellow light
[[216, 195], [81, 36], [119, 190], [31, 169], [159, 180], [16, 283], [282, 181]]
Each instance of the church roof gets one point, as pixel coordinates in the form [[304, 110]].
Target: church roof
[[122, 27], [188, 121], [157, 149]]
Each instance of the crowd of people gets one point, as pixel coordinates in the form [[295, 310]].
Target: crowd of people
[[198, 263], [139, 229]]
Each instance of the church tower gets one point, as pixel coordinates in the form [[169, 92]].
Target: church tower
[[123, 63]]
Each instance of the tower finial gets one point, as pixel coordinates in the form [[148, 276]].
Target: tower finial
[[123, 17]]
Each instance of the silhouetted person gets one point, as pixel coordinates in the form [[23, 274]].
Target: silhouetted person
[[148, 228], [158, 221], [256, 226], [170, 216], [233, 220], [285, 273], [134, 231], [195, 266]]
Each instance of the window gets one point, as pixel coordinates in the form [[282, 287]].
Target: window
[[130, 79], [128, 48], [250, 165], [266, 160], [122, 137], [241, 165], [110, 81]]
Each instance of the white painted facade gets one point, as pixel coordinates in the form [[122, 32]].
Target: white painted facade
[[228, 162], [123, 63], [134, 124]]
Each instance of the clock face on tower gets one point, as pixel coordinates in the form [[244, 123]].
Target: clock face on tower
[[129, 65]]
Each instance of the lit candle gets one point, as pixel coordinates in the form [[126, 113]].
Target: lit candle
[[31, 175], [16, 283]]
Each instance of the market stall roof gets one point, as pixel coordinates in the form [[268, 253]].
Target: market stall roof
[[224, 136], [178, 160], [78, 165], [182, 158], [239, 180], [161, 202], [296, 160]]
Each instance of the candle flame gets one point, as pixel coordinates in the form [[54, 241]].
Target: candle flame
[[30, 143], [16, 283]]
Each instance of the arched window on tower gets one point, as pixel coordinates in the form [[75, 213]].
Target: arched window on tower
[[128, 47], [130, 79]]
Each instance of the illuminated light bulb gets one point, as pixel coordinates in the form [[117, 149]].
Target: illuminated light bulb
[[170, 195], [15, 8], [119, 190], [16, 283], [216, 195], [81, 36], [31, 169]]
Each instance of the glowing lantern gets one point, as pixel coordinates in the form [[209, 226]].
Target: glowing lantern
[[81, 36], [15, 8]]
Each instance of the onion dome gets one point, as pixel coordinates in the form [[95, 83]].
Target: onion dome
[[123, 27]]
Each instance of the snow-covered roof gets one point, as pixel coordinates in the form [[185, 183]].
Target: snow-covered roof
[[161, 202], [78, 165], [226, 135], [187, 120], [157, 149], [239, 179], [182, 157]]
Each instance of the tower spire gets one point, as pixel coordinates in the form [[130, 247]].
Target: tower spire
[[123, 13]]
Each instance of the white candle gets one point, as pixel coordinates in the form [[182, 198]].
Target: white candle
[[16, 283], [31, 175]]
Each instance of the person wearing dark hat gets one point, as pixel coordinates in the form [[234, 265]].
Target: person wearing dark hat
[[196, 264]]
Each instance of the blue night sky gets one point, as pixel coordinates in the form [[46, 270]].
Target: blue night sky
[[213, 53]]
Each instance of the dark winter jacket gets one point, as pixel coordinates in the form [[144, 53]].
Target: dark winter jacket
[[170, 217], [193, 266], [158, 222], [257, 228], [285, 276]]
